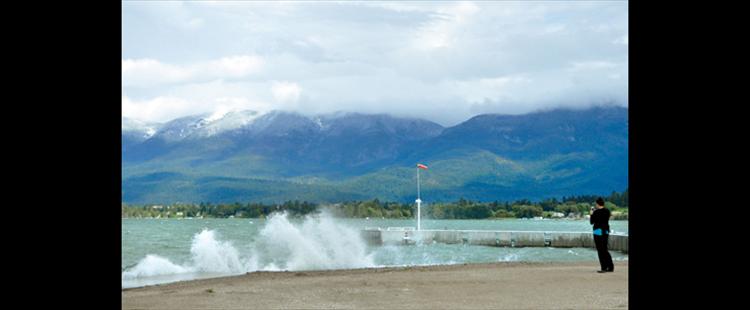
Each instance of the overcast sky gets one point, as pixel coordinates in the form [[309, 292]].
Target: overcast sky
[[442, 61]]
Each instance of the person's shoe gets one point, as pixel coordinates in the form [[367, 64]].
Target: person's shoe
[[601, 271]]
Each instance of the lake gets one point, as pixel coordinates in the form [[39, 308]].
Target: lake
[[167, 250]]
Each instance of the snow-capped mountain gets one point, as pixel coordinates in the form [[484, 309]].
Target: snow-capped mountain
[[241, 156], [189, 127], [139, 129], [228, 121], [348, 139], [278, 123]]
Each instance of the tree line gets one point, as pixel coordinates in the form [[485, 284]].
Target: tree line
[[569, 207]]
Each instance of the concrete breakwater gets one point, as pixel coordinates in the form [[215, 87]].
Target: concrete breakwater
[[558, 239]]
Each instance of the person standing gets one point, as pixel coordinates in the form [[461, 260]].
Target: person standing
[[600, 219]]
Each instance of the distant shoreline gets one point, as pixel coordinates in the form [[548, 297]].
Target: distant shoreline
[[575, 207], [509, 285], [355, 218]]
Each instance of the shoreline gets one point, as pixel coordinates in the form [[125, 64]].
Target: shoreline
[[363, 218], [501, 285]]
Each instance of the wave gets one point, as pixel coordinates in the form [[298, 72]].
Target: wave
[[317, 243], [212, 255], [511, 257], [154, 265]]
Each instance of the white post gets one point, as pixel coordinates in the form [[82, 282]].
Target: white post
[[418, 183], [419, 203]]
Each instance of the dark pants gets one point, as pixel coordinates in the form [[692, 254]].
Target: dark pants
[[601, 247]]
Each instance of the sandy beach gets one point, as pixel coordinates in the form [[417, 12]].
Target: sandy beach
[[474, 286]]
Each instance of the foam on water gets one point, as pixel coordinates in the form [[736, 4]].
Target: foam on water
[[312, 243], [212, 255], [511, 257], [318, 243], [154, 265]]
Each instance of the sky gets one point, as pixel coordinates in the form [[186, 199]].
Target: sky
[[440, 61]]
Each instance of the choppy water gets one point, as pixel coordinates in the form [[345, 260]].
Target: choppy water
[[166, 250]]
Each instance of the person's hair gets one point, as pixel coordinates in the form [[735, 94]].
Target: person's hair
[[600, 201]]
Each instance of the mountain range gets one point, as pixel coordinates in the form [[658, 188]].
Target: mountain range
[[245, 156]]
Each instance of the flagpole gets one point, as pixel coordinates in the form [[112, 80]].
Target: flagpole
[[419, 204]]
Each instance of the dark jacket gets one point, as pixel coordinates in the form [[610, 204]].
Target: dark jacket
[[600, 219]]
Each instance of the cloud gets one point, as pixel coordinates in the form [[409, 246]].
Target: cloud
[[166, 108], [591, 65], [285, 92], [444, 61], [233, 67], [621, 40], [157, 109], [492, 89], [177, 14], [441, 31], [150, 72]]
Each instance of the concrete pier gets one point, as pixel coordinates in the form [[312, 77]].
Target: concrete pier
[[558, 239]]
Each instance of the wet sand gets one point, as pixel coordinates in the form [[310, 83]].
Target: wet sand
[[474, 286]]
